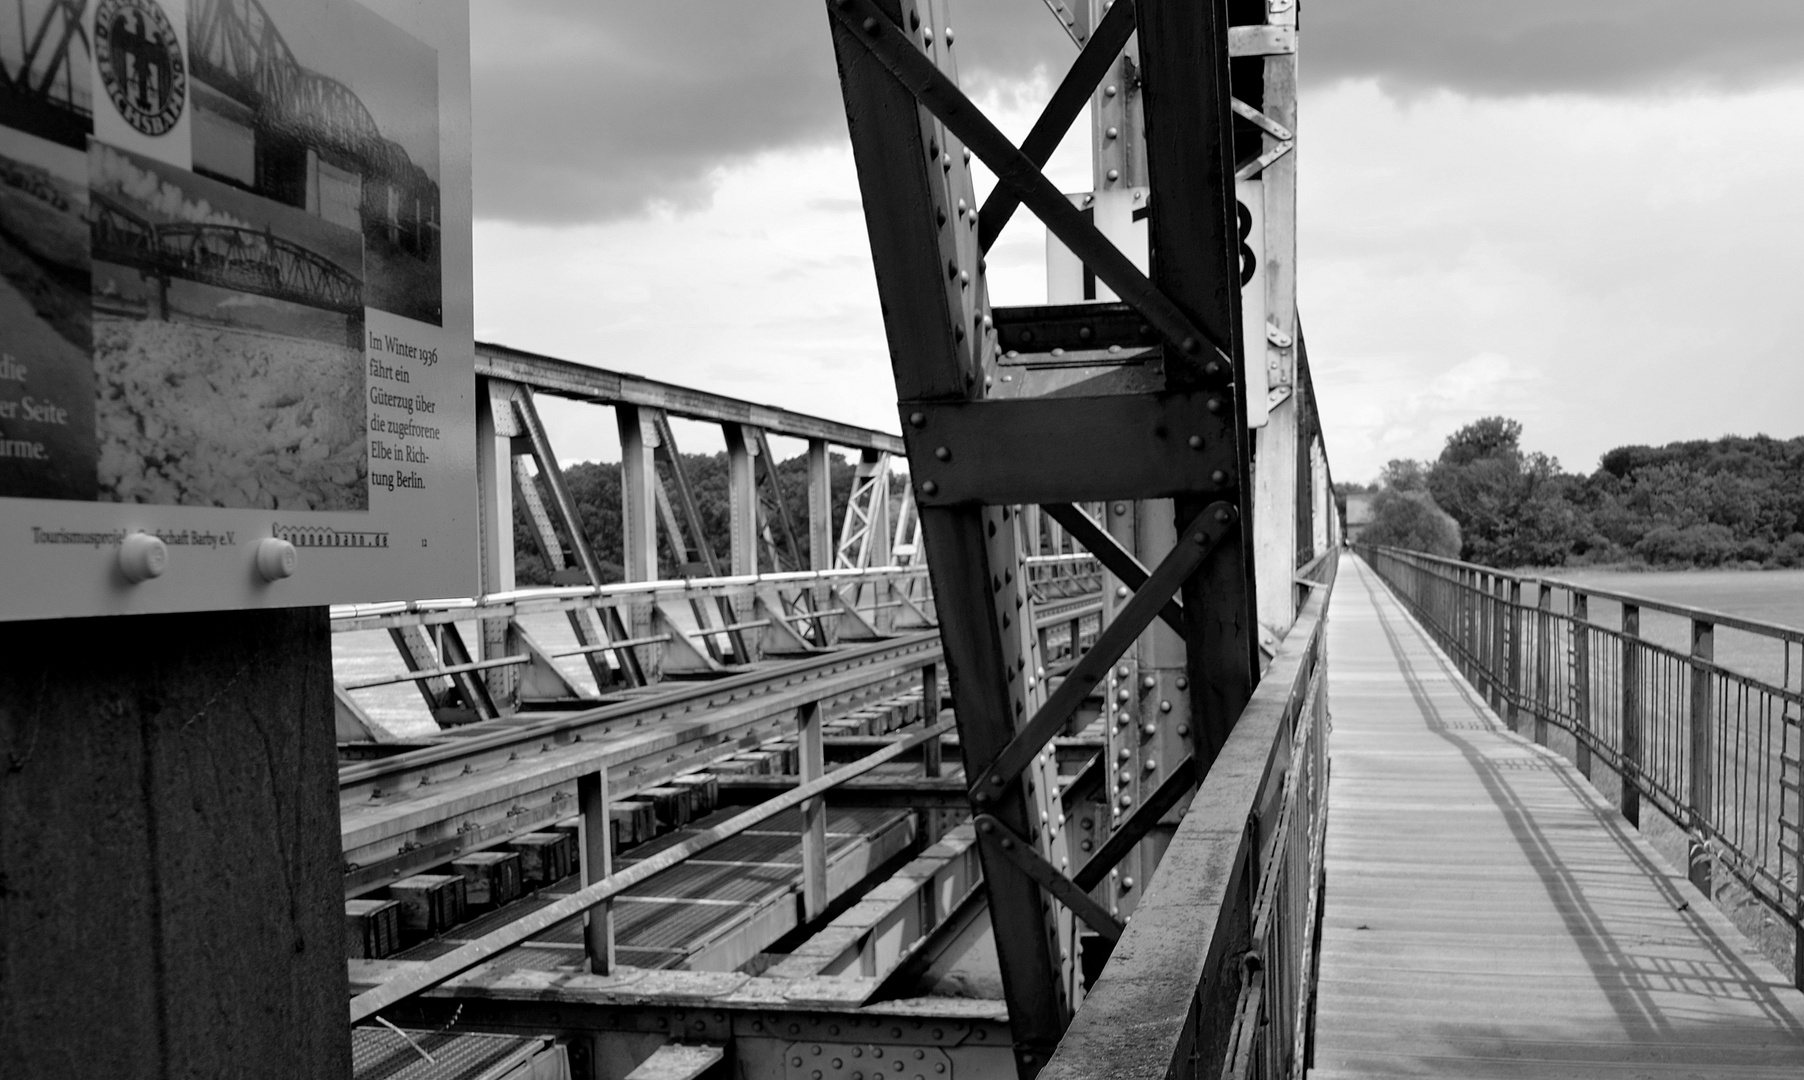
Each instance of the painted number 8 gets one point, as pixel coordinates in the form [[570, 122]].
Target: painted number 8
[[1249, 262]]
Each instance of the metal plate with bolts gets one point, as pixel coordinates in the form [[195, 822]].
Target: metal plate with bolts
[[1045, 450], [864, 1061]]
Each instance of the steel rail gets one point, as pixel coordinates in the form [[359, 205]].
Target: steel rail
[[689, 697], [423, 817], [462, 959]]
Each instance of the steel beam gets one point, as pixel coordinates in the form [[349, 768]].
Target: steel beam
[[973, 459], [580, 382], [1193, 233], [920, 213]]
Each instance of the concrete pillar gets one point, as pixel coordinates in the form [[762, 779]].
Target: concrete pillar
[[170, 872]]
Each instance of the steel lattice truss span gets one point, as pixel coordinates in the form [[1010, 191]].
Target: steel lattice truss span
[[228, 256], [237, 48], [40, 92]]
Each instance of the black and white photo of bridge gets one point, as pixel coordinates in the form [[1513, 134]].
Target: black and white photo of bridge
[[228, 344], [326, 107], [45, 70]]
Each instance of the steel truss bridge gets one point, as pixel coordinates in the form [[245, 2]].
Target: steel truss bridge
[[1022, 766], [228, 256], [236, 47], [38, 86]]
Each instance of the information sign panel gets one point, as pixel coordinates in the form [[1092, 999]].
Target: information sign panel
[[235, 304]]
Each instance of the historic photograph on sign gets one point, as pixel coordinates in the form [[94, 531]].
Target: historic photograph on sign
[[228, 344], [46, 70], [324, 106], [46, 373]]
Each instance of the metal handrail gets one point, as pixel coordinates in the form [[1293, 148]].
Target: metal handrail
[[1715, 748], [1215, 973], [351, 617]]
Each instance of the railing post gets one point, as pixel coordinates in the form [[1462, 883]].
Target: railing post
[[1703, 648], [1631, 714], [1581, 679], [1513, 676], [814, 813], [1543, 624], [595, 833], [1494, 658]]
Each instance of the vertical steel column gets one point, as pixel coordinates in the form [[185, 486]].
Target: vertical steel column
[[1154, 671], [1032, 543], [495, 428], [638, 509], [820, 507], [638, 496], [1701, 723], [930, 715], [1581, 678], [595, 834], [1193, 233], [742, 498], [814, 812], [1631, 713], [1271, 347], [917, 189]]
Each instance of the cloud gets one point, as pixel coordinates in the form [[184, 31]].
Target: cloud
[[1490, 48], [1637, 252], [596, 112]]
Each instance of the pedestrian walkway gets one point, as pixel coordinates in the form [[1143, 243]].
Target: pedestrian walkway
[[1488, 914]]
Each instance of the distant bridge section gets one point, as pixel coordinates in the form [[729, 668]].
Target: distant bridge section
[[38, 88], [237, 48], [228, 256]]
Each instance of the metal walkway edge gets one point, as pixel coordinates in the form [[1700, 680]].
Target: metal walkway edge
[[1489, 914]]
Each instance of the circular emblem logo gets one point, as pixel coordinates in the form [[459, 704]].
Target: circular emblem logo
[[140, 61]]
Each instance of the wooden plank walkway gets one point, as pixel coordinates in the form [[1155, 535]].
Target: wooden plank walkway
[[1488, 914]]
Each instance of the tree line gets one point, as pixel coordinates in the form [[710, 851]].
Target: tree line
[[1731, 501], [595, 489]]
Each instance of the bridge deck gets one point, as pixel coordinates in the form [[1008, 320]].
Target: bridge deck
[[1488, 914]]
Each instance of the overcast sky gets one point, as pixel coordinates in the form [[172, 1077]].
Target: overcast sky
[[1586, 216]]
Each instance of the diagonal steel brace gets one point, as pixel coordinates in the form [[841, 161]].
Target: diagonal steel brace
[[939, 95], [1067, 104], [1001, 838], [1108, 550], [1195, 542]]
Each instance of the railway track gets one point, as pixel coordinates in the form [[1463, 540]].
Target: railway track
[[495, 781]]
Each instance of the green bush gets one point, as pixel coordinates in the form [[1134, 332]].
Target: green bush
[[1411, 520]]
